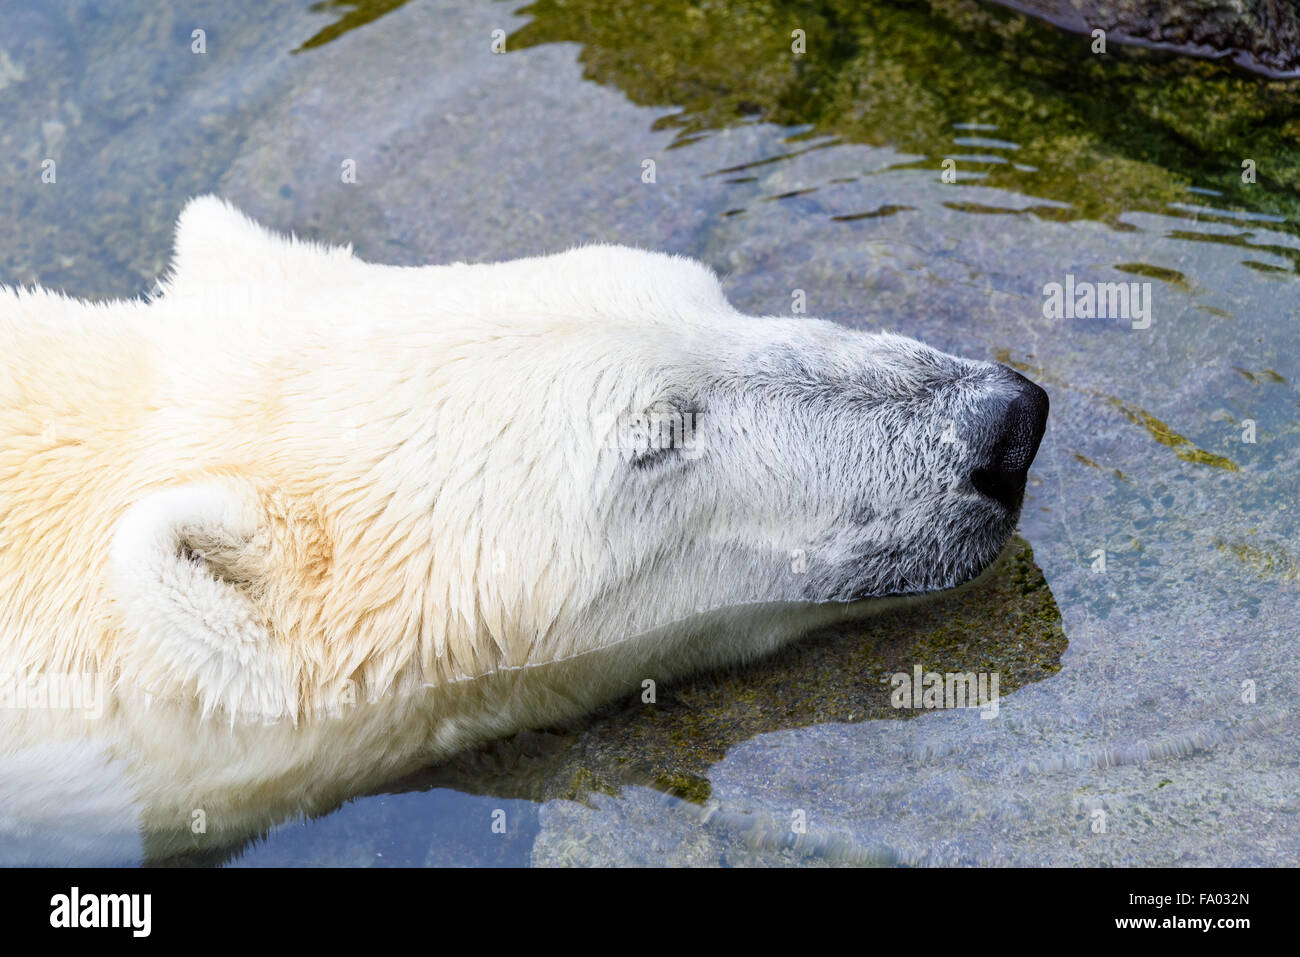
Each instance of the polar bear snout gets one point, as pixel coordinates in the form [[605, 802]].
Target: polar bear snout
[[1017, 425]]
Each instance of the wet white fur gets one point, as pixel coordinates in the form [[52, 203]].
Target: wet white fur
[[320, 520]]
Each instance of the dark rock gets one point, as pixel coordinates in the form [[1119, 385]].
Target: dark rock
[[1261, 35]]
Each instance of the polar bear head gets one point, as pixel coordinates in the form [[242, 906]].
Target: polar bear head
[[424, 476]]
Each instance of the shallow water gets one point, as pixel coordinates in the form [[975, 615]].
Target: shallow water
[[821, 173]]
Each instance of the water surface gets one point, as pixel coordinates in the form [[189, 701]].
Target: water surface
[[823, 173]]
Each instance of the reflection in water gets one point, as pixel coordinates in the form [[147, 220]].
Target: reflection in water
[[1264, 557], [1016, 103], [1005, 623]]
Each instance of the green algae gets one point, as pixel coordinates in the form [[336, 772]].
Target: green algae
[[1265, 559], [354, 14], [1159, 430], [1171, 276], [1099, 136], [1084, 460], [1262, 376], [912, 74], [1162, 433]]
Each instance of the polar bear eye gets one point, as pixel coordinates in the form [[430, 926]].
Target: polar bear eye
[[666, 431]]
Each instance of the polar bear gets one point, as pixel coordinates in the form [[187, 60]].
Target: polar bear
[[307, 521]]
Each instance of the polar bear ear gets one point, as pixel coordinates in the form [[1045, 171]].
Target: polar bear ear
[[185, 568], [216, 244]]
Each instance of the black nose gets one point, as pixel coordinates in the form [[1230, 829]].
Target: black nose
[[1017, 433]]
